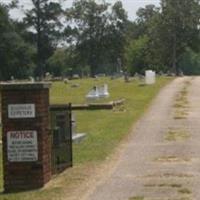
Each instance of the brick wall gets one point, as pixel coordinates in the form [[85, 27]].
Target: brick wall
[[27, 175]]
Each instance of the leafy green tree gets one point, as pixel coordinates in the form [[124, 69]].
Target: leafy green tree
[[115, 40], [99, 33], [63, 62], [15, 54], [190, 62], [143, 23], [91, 21], [57, 63], [145, 26], [43, 20], [177, 29], [145, 16], [136, 55], [171, 29]]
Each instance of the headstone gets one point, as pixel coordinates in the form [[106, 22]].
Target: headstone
[[12, 78], [75, 85], [116, 76], [31, 79], [100, 75], [48, 76], [75, 76], [103, 91], [66, 81], [136, 75], [119, 65], [160, 73], [98, 92], [73, 124], [76, 137], [150, 77], [93, 94], [26, 138], [126, 77]]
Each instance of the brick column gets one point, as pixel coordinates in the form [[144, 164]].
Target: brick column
[[26, 139]]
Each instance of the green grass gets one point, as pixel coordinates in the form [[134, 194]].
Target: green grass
[[181, 103], [104, 128], [184, 191], [137, 198], [177, 135], [171, 159], [172, 185]]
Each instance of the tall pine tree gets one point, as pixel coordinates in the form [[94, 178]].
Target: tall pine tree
[[43, 20]]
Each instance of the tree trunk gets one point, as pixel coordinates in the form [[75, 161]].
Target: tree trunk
[[92, 69], [92, 63], [174, 56], [39, 69]]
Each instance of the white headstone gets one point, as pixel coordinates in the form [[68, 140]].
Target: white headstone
[[93, 94], [98, 92], [103, 91], [150, 77]]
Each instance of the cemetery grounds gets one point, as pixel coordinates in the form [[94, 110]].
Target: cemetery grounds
[[105, 130]]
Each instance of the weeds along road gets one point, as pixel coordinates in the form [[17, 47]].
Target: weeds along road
[[160, 161]]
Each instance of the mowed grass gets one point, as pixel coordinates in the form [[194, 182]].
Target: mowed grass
[[104, 130]]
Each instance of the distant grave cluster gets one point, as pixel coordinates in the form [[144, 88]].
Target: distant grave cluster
[[98, 92]]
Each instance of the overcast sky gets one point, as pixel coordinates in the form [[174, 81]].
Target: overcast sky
[[131, 6]]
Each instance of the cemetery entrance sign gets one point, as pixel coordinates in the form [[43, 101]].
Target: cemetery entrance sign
[[26, 135], [33, 148], [21, 111]]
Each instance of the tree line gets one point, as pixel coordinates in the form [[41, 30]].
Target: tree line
[[94, 37]]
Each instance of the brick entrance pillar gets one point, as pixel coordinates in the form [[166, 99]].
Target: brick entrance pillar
[[26, 139]]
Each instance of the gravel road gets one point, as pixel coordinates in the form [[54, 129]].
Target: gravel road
[[160, 160]]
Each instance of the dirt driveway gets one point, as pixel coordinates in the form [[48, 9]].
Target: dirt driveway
[[161, 159]]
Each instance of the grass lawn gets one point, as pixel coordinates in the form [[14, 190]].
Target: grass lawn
[[104, 128]]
